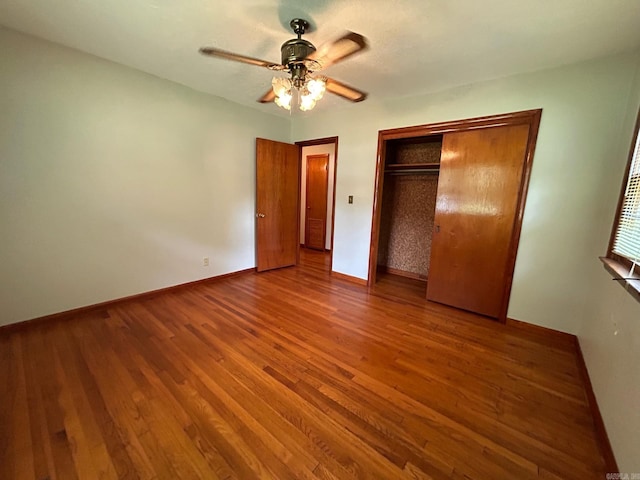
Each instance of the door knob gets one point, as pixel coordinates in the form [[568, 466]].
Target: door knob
[[259, 215]]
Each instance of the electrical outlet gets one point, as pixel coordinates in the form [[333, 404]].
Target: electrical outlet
[[205, 262]]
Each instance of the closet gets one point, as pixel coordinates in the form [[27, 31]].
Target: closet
[[408, 206], [448, 207]]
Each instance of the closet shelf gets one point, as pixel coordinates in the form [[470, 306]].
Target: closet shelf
[[411, 166]]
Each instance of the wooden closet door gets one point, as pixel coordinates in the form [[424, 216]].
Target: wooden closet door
[[316, 201], [473, 248]]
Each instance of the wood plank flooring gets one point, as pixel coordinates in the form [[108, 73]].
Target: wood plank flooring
[[291, 374]]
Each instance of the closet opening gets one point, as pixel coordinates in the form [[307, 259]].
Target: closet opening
[[411, 170]]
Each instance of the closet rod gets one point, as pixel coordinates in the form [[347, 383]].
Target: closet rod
[[413, 172]]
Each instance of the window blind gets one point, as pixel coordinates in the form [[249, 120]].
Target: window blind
[[627, 238]]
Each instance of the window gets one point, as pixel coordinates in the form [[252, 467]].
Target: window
[[624, 249]]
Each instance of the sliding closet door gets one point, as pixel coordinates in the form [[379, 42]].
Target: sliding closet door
[[472, 254]]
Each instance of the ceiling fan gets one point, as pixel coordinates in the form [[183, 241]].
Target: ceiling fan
[[302, 60]]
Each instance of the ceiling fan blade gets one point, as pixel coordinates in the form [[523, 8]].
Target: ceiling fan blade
[[270, 96], [215, 52], [336, 51], [345, 91]]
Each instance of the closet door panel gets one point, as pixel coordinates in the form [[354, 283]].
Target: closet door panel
[[481, 177]]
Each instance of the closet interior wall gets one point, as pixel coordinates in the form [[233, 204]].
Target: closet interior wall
[[408, 207]]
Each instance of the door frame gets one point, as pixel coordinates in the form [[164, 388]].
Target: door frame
[[323, 141], [530, 117]]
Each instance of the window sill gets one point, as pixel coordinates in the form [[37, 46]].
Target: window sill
[[620, 271]]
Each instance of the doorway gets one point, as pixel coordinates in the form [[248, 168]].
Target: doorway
[[318, 169], [315, 200]]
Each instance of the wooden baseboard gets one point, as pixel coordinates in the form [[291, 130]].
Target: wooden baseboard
[[349, 278], [401, 273], [601, 431], [319, 250], [540, 330], [13, 327]]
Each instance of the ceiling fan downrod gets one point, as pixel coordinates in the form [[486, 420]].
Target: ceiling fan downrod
[[299, 26], [294, 51]]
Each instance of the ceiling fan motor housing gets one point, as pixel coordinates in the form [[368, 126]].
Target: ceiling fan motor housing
[[295, 51]]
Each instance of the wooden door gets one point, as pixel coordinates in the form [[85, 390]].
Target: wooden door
[[277, 193], [316, 201], [474, 241]]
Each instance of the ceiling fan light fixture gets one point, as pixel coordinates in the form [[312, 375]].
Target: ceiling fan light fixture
[[306, 102], [316, 88], [281, 86], [310, 92], [284, 101], [282, 90]]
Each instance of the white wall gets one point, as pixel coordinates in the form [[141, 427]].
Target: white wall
[[330, 150], [115, 182], [583, 110], [610, 331]]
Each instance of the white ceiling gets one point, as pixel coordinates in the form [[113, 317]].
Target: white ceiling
[[417, 46]]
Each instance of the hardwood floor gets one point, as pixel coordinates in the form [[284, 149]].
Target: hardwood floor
[[291, 374]]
